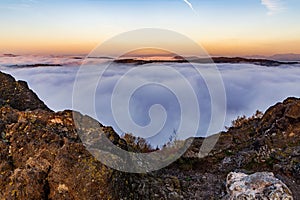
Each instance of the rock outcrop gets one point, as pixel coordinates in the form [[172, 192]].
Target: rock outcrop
[[261, 185], [43, 157], [17, 94], [270, 143]]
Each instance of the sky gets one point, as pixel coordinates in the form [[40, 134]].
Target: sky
[[231, 27]]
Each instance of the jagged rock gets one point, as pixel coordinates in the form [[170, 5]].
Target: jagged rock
[[43, 157], [293, 111], [261, 185], [270, 143], [18, 95]]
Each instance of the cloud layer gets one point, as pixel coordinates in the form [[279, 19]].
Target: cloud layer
[[248, 88]]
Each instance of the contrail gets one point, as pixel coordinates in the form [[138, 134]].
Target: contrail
[[190, 5]]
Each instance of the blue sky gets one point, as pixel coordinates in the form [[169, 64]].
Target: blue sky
[[223, 27]]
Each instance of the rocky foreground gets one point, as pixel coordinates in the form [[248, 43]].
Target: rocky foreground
[[42, 157]]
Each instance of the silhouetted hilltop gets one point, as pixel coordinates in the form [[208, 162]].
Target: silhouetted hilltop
[[179, 59], [36, 65], [279, 57]]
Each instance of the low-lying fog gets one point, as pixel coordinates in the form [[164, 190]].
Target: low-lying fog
[[248, 88]]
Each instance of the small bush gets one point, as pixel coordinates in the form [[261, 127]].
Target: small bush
[[243, 120], [137, 144]]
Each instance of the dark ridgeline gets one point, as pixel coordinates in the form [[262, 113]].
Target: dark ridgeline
[[232, 60]]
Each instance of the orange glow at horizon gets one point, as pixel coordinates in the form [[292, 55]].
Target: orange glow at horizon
[[251, 47], [218, 47], [47, 47]]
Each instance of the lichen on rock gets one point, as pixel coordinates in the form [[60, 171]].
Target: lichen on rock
[[261, 185]]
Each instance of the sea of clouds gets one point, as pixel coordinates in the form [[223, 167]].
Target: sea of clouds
[[154, 106]]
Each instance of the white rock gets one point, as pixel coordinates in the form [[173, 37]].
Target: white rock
[[261, 185]]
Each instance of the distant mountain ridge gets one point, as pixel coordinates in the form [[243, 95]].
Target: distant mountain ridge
[[232, 60], [46, 61], [279, 57]]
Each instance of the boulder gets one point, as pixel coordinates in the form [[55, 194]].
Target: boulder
[[293, 111], [261, 185]]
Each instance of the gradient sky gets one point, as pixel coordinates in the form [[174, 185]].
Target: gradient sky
[[222, 27]]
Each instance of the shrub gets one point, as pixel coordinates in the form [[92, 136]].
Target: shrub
[[243, 120], [137, 144]]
